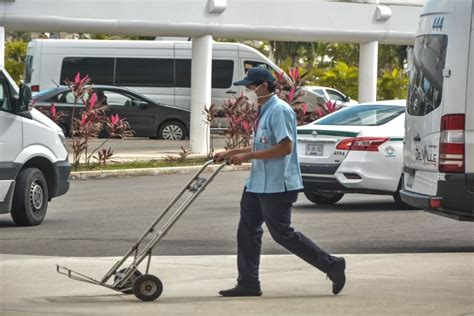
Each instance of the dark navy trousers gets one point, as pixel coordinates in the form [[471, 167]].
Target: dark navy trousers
[[273, 209]]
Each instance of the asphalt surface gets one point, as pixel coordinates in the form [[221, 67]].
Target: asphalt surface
[[105, 218]]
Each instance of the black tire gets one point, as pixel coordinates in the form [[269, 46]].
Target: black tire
[[398, 199], [103, 133], [172, 130], [400, 203], [128, 285], [147, 287], [323, 198], [30, 200]]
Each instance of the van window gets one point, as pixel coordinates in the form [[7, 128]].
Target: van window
[[144, 72], [222, 73], [4, 104], [100, 70], [363, 115], [250, 64], [426, 75], [183, 73], [28, 68]]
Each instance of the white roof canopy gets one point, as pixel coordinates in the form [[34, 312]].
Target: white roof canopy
[[391, 22]]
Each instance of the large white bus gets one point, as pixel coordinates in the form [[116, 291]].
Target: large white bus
[[439, 126]]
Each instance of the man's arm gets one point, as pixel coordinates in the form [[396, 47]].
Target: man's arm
[[220, 156], [281, 149]]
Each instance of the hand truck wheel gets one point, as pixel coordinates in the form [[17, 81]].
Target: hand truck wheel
[[147, 287], [128, 285]]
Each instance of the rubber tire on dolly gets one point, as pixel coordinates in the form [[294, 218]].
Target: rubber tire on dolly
[[323, 198], [147, 287], [30, 200]]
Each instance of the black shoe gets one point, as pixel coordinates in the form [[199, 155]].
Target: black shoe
[[240, 290], [337, 275]]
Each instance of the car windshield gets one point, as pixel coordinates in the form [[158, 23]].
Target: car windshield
[[363, 115]]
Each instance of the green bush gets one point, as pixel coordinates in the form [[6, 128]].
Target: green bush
[[392, 85], [15, 56], [341, 77]]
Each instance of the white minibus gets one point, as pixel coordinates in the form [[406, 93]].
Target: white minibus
[[160, 70], [439, 125], [34, 165]]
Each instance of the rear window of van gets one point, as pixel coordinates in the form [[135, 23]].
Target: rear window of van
[[426, 74]]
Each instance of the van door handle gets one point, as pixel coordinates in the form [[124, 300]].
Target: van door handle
[[231, 92], [417, 138]]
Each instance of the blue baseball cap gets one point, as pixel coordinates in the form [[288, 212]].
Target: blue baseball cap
[[256, 75]]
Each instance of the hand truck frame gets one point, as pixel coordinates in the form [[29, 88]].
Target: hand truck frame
[[127, 278]]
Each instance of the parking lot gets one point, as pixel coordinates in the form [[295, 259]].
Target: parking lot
[[105, 217], [399, 261]]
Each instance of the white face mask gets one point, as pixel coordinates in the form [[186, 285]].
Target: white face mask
[[252, 95]]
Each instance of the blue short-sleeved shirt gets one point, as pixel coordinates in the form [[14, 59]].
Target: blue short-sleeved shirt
[[277, 122]]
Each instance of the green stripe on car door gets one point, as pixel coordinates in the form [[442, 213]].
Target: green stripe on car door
[[327, 133]]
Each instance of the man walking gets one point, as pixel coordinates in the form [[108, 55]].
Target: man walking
[[271, 189]]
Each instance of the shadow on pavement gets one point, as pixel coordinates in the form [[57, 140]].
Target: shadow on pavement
[[350, 207], [7, 222], [118, 298]]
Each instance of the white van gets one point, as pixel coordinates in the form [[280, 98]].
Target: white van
[[160, 70], [34, 165], [439, 139]]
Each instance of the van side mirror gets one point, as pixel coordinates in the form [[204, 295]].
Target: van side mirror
[[24, 99]]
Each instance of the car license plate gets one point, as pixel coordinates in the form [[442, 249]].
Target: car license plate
[[314, 150]]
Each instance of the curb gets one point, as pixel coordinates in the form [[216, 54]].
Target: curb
[[104, 174]]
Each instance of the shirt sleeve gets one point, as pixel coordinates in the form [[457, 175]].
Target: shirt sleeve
[[282, 125]]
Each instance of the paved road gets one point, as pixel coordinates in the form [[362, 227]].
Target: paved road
[[105, 217]]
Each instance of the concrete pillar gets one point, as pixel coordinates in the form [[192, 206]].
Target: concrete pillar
[[368, 60], [201, 75], [2, 46]]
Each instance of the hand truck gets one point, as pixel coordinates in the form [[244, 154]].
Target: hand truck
[[126, 277]]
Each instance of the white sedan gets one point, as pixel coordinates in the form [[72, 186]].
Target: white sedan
[[358, 149]]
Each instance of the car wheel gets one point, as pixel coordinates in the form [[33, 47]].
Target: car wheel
[[30, 199], [172, 130], [323, 198], [398, 198], [400, 203], [103, 133]]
